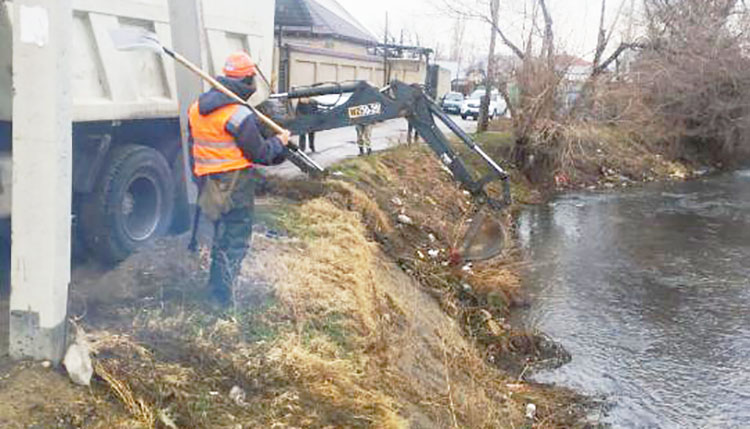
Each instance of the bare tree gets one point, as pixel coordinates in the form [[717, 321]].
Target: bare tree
[[457, 42], [488, 81], [696, 73], [537, 87], [588, 93], [533, 78]]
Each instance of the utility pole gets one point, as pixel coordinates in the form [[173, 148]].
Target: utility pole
[[284, 63], [42, 178], [485, 106], [386, 77]]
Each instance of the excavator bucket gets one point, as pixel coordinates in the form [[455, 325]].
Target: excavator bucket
[[484, 239]]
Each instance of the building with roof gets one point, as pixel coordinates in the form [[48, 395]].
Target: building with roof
[[318, 41]]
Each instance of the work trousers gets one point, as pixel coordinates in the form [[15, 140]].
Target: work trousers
[[303, 141], [364, 138], [232, 234], [411, 135]]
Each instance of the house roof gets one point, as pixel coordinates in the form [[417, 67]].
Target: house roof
[[565, 60], [321, 18], [293, 13]]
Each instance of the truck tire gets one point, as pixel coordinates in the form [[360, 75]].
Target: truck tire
[[131, 205]]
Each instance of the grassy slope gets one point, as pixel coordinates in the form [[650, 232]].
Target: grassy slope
[[347, 322]]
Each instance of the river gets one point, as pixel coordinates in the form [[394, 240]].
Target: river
[[649, 290]]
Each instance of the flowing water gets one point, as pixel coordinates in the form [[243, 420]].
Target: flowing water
[[649, 290]]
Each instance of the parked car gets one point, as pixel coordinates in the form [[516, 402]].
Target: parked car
[[470, 106], [452, 102]]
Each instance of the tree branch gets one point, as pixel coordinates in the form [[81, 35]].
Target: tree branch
[[507, 42], [601, 43], [601, 68], [549, 35]]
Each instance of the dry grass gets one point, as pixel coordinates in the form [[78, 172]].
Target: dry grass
[[367, 342], [617, 136], [334, 274], [495, 276], [427, 194], [357, 200], [588, 153], [339, 385], [331, 328], [137, 407]]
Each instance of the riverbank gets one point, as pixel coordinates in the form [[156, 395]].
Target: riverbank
[[346, 316], [352, 313], [592, 156]]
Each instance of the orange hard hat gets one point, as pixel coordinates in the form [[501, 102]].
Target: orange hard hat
[[239, 65]]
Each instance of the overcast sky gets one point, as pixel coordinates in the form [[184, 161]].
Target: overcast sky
[[576, 21]]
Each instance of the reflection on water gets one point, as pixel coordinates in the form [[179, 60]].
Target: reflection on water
[[649, 291]]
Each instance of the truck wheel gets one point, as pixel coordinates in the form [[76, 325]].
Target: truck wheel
[[131, 204]]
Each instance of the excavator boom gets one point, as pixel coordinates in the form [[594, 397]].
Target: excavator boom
[[369, 105]]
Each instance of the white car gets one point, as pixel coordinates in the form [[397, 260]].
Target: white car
[[470, 106]]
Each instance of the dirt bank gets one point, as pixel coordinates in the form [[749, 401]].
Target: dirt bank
[[345, 317], [591, 155]]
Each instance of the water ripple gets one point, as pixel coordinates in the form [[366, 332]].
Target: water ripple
[[649, 291]]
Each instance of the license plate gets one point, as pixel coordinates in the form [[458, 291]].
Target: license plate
[[365, 110]]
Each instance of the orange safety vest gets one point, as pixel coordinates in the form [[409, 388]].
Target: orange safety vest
[[215, 149]]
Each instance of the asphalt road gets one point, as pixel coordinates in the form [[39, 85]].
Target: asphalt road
[[336, 145]]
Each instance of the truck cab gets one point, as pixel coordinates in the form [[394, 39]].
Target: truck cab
[[129, 183]]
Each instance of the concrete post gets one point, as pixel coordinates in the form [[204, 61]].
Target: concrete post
[[186, 18], [42, 178]]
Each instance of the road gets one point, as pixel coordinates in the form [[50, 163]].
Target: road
[[336, 145]]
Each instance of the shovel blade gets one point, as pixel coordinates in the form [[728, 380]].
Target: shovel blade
[[484, 239], [135, 39]]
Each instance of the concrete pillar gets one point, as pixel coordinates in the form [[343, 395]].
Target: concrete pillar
[[42, 178], [186, 18]]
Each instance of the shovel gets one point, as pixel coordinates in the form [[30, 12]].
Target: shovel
[[130, 39]]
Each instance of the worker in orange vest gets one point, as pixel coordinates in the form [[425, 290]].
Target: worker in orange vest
[[226, 142]]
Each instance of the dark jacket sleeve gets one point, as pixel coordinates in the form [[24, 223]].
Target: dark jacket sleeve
[[254, 147], [191, 159]]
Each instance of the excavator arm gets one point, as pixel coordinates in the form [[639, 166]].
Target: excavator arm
[[370, 105]]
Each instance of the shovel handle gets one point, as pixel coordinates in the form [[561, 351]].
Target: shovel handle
[[216, 84], [299, 158]]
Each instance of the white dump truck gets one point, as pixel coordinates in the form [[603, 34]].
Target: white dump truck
[[128, 181]]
